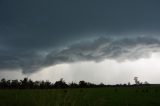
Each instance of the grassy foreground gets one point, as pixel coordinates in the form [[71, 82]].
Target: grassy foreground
[[123, 96]]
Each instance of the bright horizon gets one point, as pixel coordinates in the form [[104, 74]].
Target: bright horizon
[[107, 71]]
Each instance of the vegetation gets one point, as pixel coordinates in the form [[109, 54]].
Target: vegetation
[[44, 93], [109, 96], [29, 84]]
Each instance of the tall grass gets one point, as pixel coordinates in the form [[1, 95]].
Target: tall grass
[[123, 96]]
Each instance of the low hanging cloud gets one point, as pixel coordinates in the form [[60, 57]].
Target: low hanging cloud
[[119, 49], [106, 48]]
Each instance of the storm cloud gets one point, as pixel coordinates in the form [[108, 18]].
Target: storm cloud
[[97, 50], [39, 33]]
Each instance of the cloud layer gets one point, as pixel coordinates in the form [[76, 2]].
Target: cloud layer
[[35, 33], [106, 48], [119, 49]]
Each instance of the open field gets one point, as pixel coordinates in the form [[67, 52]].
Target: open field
[[120, 96]]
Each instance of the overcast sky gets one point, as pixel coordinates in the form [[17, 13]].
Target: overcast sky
[[95, 40]]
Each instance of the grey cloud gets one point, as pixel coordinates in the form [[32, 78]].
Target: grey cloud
[[106, 48], [99, 49], [33, 32]]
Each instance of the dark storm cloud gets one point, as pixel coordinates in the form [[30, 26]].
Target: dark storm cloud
[[30, 30], [106, 48], [120, 49]]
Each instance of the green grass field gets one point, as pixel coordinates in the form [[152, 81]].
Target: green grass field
[[123, 96]]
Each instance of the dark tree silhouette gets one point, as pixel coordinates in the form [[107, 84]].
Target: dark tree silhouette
[[82, 84], [60, 84], [3, 83], [29, 84], [73, 85], [15, 84], [137, 82]]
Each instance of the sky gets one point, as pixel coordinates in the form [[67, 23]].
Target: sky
[[108, 41]]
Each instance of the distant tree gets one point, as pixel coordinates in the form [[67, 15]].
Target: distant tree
[[90, 84], [60, 84], [45, 84], [129, 83], [146, 83], [82, 84], [15, 84], [36, 84], [124, 85], [3, 83], [101, 85], [24, 83], [48, 84], [73, 85], [29, 84], [137, 82]]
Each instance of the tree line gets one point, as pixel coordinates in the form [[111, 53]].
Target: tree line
[[30, 84]]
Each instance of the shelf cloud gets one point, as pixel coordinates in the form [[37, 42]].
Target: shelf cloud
[[35, 34], [97, 50]]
